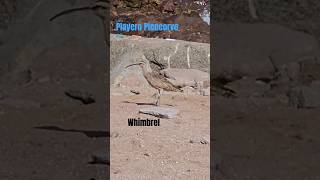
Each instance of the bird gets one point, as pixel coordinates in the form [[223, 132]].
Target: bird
[[155, 79]]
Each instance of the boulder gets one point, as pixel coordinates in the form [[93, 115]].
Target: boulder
[[187, 77], [247, 87], [171, 53], [162, 112], [305, 96], [245, 49]]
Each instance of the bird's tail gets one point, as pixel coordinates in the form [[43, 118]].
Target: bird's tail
[[178, 89]]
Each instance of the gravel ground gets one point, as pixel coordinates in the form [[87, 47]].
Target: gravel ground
[[178, 149]]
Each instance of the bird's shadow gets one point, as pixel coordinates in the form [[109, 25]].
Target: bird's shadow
[[142, 103], [90, 134]]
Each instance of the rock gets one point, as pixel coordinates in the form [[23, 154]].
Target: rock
[[293, 70], [247, 87], [190, 91], [303, 71], [44, 79], [199, 141], [205, 92], [135, 91], [84, 97], [173, 54], [252, 44], [193, 27], [186, 77], [205, 16], [309, 70], [100, 159], [130, 79], [219, 89], [115, 2], [133, 3], [169, 6], [114, 134], [161, 112], [157, 2], [192, 81], [305, 96]]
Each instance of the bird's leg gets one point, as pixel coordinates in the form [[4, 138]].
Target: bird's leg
[[160, 93], [158, 98]]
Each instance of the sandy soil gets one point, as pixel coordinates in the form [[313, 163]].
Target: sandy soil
[[177, 149], [265, 141], [33, 147]]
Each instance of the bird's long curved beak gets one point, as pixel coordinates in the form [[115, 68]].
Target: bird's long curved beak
[[132, 65]]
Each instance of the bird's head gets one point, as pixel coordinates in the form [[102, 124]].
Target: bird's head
[[141, 63]]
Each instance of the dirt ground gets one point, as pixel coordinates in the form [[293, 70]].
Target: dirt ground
[[48, 140], [177, 149], [45, 133], [253, 139]]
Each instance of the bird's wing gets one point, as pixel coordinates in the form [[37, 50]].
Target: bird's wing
[[163, 82]]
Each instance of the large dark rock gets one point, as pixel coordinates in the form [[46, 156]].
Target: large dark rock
[[185, 13], [305, 96], [258, 49]]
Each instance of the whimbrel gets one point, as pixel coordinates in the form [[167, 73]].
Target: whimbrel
[[155, 80]]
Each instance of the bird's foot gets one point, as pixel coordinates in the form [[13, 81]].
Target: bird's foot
[[157, 103]]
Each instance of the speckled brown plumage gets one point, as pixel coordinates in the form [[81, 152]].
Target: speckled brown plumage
[[155, 79], [158, 81]]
